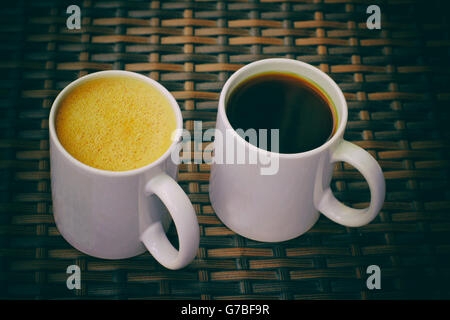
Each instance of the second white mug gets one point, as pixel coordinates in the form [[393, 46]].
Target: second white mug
[[284, 204]]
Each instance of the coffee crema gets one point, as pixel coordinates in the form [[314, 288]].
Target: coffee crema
[[115, 123], [304, 115]]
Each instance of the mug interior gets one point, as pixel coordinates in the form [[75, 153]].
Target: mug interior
[[320, 80], [108, 74]]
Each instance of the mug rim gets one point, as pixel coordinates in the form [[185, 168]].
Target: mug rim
[[342, 118], [103, 74]]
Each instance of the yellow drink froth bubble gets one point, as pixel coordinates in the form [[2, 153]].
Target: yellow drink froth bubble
[[116, 123]]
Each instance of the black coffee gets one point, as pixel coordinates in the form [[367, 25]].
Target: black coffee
[[274, 100]]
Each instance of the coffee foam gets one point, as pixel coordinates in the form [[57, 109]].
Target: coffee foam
[[116, 123]]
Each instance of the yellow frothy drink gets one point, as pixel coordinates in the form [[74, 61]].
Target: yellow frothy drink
[[116, 123]]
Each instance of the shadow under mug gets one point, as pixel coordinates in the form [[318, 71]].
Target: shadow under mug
[[286, 204], [120, 214]]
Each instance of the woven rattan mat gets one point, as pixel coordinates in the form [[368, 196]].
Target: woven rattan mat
[[396, 82]]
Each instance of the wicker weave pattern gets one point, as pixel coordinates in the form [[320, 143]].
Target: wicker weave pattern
[[394, 79]]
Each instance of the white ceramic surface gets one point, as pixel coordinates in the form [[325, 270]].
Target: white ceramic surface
[[285, 205], [116, 215]]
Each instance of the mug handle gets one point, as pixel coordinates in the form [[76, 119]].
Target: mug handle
[[184, 217], [370, 169]]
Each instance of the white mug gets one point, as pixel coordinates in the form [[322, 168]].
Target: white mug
[[284, 205], [119, 214]]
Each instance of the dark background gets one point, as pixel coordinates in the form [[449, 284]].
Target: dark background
[[396, 82]]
